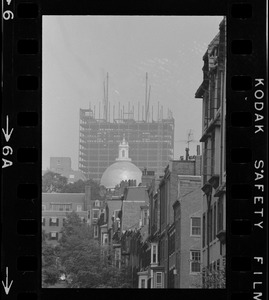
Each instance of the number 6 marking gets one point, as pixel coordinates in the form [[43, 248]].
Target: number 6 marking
[[8, 14], [7, 150]]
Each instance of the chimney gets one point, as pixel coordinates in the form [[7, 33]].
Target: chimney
[[198, 165], [187, 153], [147, 177], [198, 150]]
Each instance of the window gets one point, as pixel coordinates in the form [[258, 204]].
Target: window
[[159, 280], [71, 176], [123, 153], [195, 226], [95, 213], [95, 231], [43, 207], [214, 220], [54, 235], [143, 283], [171, 242], [220, 214], [218, 265], [195, 257], [144, 217], [61, 207], [161, 251], [79, 207], [154, 253], [105, 238], [163, 206], [213, 153], [205, 161], [210, 224], [204, 231], [54, 221], [97, 203], [43, 221]]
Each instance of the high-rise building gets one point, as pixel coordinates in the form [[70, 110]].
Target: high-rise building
[[151, 141]]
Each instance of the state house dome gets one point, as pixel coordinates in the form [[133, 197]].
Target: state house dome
[[122, 169]]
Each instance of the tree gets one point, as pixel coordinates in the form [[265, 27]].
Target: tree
[[53, 182], [50, 267], [56, 183], [97, 191], [85, 262]]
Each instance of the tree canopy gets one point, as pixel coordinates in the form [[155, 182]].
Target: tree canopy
[[50, 267], [85, 262], [55, 183]]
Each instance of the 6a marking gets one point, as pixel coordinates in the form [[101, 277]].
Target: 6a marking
[[7, 150], [8, 14]]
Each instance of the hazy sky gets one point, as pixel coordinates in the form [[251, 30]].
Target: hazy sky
[[78, 51]]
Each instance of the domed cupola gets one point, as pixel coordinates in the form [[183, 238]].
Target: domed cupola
[[122, 169]]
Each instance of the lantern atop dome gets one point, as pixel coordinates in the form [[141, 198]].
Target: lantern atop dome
[[123, 151]]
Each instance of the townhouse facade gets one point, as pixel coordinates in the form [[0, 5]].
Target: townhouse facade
[[212, 91], [159, 254], [56, 207]]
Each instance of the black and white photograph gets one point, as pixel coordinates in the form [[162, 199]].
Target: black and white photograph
[[134, 152]]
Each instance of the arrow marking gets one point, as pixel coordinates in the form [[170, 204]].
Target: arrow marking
[[6, 287], [6, 133]]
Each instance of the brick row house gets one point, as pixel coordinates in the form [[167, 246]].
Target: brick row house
[[56, 207], [162, 249], [212, 91]]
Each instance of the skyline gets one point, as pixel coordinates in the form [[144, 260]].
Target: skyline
[[78, 52]]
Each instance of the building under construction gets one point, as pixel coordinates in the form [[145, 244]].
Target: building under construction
[[151, 141]]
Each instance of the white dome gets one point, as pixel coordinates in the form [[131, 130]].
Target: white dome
[[120, 170]]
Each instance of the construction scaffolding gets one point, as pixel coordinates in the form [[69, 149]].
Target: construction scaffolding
[[151, 142]]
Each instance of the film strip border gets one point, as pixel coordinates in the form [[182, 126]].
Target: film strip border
[[21, 151], [247, 158], [246, 151]]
